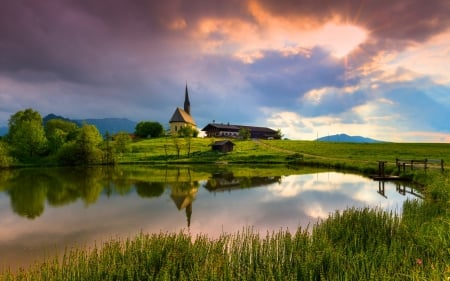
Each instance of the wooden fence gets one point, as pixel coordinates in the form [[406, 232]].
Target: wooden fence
[[403, 164]]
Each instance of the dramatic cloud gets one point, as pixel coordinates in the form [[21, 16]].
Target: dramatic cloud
[[372, 67]]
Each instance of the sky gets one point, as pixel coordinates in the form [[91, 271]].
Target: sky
[[374, 68]]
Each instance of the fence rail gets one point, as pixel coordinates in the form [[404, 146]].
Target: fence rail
[[426, 163]]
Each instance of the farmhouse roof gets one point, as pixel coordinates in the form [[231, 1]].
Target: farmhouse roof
[[222, 142], [181, 116], [237, 127]]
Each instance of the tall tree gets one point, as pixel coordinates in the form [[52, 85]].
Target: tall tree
[[122, 142], [84, 150], [58, 132], [87, 145], [26, 134]]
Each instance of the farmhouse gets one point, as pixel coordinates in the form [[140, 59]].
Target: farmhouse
[[182, 117], [232, 131]]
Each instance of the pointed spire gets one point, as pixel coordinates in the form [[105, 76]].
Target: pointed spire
[[187, 104], [189, 214]]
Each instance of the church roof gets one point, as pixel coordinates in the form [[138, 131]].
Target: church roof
[[181, 116]]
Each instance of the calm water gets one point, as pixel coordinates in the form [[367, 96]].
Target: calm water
[[43, 211]]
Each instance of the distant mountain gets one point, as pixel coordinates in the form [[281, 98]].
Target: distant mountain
[[347, 138], [53, 116], [110, 125]]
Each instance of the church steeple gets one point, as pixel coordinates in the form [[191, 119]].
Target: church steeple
[[187, 104]]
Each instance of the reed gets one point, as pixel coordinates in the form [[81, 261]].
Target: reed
[[356, 244]]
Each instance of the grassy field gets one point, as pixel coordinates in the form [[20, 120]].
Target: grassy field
[[362, 157], [357, 244]]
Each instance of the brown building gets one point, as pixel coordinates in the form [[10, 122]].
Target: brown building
[[223, 146], [232, 131]]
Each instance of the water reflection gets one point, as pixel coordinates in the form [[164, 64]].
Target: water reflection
[[45, 210], [401, 187]]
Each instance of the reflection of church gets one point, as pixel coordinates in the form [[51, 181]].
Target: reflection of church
[[183, 195]]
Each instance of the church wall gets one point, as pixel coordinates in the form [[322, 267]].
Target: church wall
[[176, 126]]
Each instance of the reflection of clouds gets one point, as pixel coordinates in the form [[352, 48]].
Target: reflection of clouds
[[316, 211], [298, 201], [323, 193], [292, 186]]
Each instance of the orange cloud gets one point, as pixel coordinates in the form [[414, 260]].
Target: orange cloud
[[246, 40]]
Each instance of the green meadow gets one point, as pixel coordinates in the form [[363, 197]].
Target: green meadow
[[360, 157], [356, 244]]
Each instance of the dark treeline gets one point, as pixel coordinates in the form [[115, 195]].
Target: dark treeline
[[62, 142]]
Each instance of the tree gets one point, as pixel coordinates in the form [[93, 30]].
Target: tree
[[188, 132], [58, 132], [5, 159], [279, 135], [84, 150], [87, 144], [108, 150], [177, 145], [26, 134], [244, 133], [122, 142], [146, 129]]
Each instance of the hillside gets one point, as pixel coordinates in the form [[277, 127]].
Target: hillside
[[111, 125]]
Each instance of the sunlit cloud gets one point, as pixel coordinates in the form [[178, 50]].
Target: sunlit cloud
[[247, 40], [310, 70], [426, 58], [340, 39]]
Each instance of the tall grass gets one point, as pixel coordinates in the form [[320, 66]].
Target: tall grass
[[357, 244]]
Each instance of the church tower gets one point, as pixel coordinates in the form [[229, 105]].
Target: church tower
[[182, 116], [187, 104]]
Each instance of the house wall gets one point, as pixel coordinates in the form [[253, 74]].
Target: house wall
[[228, 134]]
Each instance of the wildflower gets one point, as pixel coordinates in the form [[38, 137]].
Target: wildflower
[[419, 261]]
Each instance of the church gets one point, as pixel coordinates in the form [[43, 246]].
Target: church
[[182, 117]]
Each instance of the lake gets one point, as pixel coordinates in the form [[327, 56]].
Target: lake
[[45, 210]]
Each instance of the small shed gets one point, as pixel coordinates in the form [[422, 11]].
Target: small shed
[[223, 146]]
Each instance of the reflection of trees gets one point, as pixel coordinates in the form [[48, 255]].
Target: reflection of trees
[[227, 181], [28, 194], [30, 188], [149, 189]]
